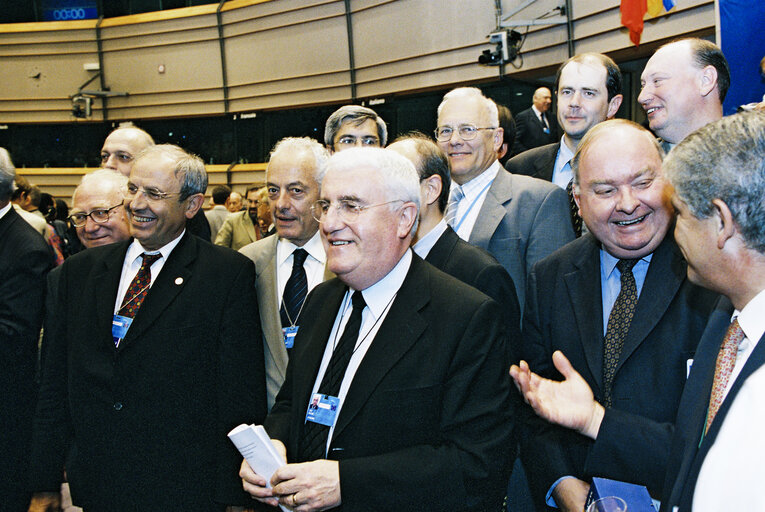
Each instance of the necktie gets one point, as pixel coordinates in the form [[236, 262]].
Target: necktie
[[618, 324], [726, 360], [295, 290], [138, 289], [545, 128], [576, 220], [314, 441], [455, 197]]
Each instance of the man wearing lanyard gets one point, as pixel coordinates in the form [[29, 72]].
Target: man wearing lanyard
[[290, 263], [518, 219], [412, 408], [153, 358]]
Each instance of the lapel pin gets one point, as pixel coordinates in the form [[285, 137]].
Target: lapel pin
[[178, 280]]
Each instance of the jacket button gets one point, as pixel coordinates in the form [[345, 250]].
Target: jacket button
[[117, 406]]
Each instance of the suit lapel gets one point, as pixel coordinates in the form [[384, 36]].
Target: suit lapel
[[493, 210], [268, 302], [401, 328], [583, 285], [171, 280], [249, 227], [662, 282], [442, 250], [106, 276], [546, 165]]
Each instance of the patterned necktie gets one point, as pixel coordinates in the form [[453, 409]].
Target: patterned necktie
[[137, 290], [618, 324], [295, 290], [455, 197], [576, 220], [726, 360], [313, 444]]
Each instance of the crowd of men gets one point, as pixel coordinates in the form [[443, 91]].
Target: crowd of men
[[406, 320]]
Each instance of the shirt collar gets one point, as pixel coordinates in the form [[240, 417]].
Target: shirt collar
[[609, 262], [536, 111], [380, 294], [136, 249], [425, 244], [473, 187], [565, 154], [5, 210], [313, 247], [751, 318]]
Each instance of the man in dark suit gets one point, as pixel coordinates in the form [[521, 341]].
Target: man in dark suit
[[716, 458], [440, 246], [290, 264], [618, 305], [24, 261], [519, 220], [153, 358], [417, 413], [534, 126]]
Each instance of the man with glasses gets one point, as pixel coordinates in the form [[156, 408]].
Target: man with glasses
[[152, 359], [412, 400], [354, 126], [97, 212], [292, 263], [243, 227], [518, 219]]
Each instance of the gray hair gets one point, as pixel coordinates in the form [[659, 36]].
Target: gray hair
[[402, 183], [295, 145], [353, 114], [472, 92], [724, 160], [117, 180], [189, 169], [603, 127], [7, 175]]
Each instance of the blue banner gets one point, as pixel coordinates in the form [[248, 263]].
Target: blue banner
[[743, 43]]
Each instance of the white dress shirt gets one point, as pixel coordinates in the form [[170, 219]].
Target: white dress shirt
[[132, 265], [379, 298], [732, 473], [425, 244], [475, 192], [313, 265]]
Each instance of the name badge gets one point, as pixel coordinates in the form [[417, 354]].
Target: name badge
[[322, 409], [120, 326], [289, 335]]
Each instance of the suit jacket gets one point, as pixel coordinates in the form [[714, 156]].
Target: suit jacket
[[521, 221], [476, 267], [263, 253], [687, 455], [426, 423], [24, 261], [537, 163], [237, 231], [529, 132], [216, 216], [564, 312], [147, 422]]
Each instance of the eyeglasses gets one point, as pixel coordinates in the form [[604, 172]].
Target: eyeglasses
[[349, 211], [466, 132], [99, 215], [152, 194], [350, 140]]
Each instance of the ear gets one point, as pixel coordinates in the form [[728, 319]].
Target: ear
[[613, 105], [407, 216], [499, 135], [707, 80], [577, 192], [432, 187], [726, 226], [193, 205]]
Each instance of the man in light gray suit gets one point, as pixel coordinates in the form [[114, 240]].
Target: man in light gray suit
[[291, 262], [218, 213], [518, 219]]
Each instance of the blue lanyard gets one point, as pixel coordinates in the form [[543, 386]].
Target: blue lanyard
[[457, 228]]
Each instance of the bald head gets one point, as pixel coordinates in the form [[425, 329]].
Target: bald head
[[122, 146], [542, 99]]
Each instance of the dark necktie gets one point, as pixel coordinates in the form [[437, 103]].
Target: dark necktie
[[138, 289], [313, 444], [576, 220], [618, 324], [544, 123], [295, 290], [726, 360]]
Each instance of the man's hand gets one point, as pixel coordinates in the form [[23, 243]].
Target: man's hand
[[308, 487], [569, 403], [255, 484], [45, 502], [571, 494]]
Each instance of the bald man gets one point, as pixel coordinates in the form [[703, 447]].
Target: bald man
[[535, 126]]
